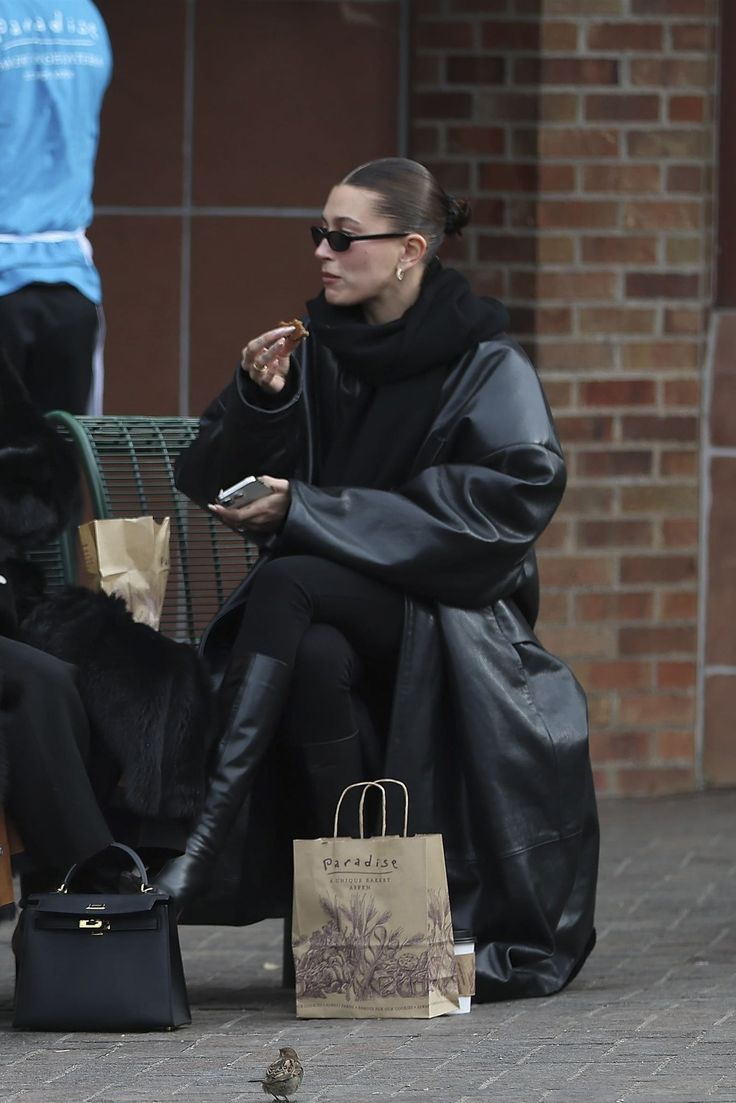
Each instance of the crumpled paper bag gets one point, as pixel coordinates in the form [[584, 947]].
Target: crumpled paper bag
[[129, 557]]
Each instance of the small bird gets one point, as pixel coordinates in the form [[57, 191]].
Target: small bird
[[284, 1076]]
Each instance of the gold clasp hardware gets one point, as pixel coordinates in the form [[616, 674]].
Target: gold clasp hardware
[[96, 926]]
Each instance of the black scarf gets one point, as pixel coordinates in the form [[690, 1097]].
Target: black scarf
[[392, 375]]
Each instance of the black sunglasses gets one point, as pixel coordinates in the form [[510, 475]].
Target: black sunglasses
[[340, 242]]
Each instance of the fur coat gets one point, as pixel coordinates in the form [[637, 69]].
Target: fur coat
[[146, 696]]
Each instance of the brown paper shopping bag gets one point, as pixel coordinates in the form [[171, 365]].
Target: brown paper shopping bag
[[129, 557], [371, 927]]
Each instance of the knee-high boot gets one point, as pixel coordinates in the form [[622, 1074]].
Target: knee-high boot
[[256, 687], [323, 771]]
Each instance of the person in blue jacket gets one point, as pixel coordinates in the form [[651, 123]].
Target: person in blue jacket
[[55, 65]]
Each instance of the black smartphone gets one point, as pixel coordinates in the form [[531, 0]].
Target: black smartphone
[[243, 493]]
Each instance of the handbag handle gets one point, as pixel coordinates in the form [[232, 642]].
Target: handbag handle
[[366, 785], [135, 858]]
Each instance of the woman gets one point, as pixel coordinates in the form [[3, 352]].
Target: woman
[[413, 464]]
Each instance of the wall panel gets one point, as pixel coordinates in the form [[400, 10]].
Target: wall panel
[[225, 126]]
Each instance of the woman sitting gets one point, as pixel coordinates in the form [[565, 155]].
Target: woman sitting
[[412, 463]]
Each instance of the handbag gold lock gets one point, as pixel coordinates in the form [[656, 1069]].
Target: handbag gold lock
[[95, 926]]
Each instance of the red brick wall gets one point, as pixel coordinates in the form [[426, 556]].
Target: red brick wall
[[583, 133]]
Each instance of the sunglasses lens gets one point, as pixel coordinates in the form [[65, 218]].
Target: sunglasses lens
[[338, 241]]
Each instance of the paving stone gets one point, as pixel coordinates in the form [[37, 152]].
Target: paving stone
[[651, 1019]]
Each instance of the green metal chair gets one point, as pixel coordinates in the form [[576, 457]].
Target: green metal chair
[[127, 466]]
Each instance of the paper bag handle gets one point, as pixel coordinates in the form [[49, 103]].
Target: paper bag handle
[[366, 785]]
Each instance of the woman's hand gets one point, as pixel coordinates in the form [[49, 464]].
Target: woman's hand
[[264, 515], [266, 358]]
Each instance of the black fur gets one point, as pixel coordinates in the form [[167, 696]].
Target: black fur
[[39, 481], [147, 696]]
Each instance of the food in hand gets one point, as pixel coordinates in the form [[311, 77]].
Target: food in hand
[[299, 331]]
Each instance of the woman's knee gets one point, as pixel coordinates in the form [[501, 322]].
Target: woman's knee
[[321, 698], [325, 660], [281, 583]]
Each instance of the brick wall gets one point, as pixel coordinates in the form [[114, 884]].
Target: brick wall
[[583, 133]]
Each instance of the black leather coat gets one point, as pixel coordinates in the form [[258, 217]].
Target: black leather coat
[[488, 729]]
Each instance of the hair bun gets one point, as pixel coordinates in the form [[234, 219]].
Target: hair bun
[[458, 215]]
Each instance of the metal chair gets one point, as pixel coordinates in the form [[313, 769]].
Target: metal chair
[[127, 466]]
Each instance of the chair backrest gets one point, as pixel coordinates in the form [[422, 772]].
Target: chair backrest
[[127, 466]]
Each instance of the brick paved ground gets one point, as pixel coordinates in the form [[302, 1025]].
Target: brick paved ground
[[652, 1018]]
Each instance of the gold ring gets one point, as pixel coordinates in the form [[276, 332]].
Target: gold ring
[[260, 370]]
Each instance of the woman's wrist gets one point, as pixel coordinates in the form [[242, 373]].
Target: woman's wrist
[[263, 399]]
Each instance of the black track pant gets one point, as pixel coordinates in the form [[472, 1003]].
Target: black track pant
[[49, 333], [333, 626]]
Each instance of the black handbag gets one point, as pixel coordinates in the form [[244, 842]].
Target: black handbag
[[98, 961]]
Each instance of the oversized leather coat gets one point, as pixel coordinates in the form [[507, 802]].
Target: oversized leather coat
[[487, 729]]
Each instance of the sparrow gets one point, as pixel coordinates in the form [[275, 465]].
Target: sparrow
[[284, 1076]]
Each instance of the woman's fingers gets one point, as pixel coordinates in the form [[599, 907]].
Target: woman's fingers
[[263, 515], [266, 358], [259, 351]]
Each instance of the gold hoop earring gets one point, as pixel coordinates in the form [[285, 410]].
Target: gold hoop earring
[[399, 273]]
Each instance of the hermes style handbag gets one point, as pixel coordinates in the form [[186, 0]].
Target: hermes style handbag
[[97, 961]]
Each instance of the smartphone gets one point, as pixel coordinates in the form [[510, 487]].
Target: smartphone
[[242, 493]]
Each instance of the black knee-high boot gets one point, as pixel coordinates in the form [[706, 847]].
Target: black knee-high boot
[[257, 700], [323, 771]]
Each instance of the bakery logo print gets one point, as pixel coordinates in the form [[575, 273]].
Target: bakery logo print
[[26, 31], [371, 862]]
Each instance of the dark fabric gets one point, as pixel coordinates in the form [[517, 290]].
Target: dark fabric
[[362, 420], [487, 729], [321, 773], [47, 739], [49, 333], [38, 722], [446, 321], [293, 592], [339, 632], [404, 364], [39, 480], [146, 696], [327, 678], [44, 731], [7, 692], [8, 611]]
